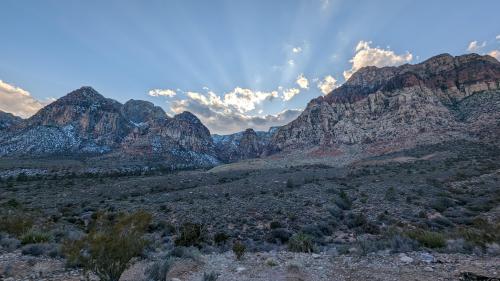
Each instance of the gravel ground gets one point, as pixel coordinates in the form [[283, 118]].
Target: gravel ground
[[277, 266]]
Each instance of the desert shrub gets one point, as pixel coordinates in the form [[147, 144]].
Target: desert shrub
[[441, 204], [15, 225], [312, 230], [34, 236], [336, 212], [110, 245], [390, 194], [212, 276], [480, 232], [190, 234], [220, 238], [42, 249], [185, 253], [239, 249], [428, 238], [275, 224], [367, 246], [343, 201], [360, 222], [158, 271], [279, 234], [402, 244], [355, 220], [13, 203], [9, 244], [301, 242]]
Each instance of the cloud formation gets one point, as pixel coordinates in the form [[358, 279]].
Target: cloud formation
[[162, 92], [474, 46], [495, 54], [368, 56], [302, 82], [288, 94], [327, 84], [296, 50], [18, 101], [497, 37], [223, 117]]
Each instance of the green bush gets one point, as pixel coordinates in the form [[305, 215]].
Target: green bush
[[428, 238], [301, 242], [239, 249], [220, 238], [15, 225], [34, 237], [190, 234], [110, 245]]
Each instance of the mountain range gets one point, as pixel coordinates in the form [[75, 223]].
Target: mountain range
[[378, 110]]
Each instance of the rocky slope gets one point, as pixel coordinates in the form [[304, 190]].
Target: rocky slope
[[84, 122], [242, 145], [384, 109], [8, 120]]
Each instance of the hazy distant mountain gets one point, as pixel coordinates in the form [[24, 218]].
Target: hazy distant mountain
[[385, 109], [242, 145]]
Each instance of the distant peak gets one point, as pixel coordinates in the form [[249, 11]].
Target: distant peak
[[187, 116], [85, 92]]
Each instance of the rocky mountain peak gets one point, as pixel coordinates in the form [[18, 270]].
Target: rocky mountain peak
[[401, 106], [139, 111], [187, 116]]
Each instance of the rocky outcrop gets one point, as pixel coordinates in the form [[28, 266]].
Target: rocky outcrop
[[8, 120], [396, 107], [242, 145], [84, 122]]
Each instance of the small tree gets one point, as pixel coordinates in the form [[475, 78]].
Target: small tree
[[109, 247]]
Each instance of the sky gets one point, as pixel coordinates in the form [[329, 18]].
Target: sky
[[235, 64]]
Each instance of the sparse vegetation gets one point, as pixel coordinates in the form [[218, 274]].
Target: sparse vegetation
[[301, 242], [109, 246], [239, 249]]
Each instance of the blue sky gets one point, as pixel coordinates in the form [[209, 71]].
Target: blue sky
[[233, 63]]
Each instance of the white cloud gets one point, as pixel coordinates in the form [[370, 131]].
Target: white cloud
[[288, 94], [18, 101], [245, 99], [495, 54], [302, 82], [291, 62], [474, 46], [296, 50], [226, 121], [497, 37], [162, 92], [327, 84], [368, 56]]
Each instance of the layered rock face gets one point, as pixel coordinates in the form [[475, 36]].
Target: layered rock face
[[242, 145], [397, 107], [84, 122]]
